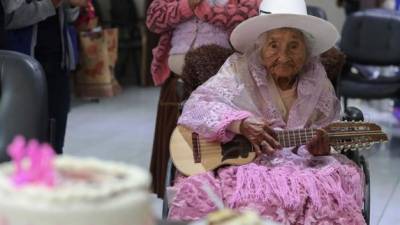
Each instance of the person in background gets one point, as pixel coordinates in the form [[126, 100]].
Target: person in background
[[184, 25], [351, 6], [40, 28], [6, 6]]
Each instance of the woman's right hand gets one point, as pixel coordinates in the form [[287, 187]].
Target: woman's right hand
[[260, 134], [194, 3]]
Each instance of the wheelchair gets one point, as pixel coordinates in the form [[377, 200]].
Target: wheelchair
[[335, 63], [351, 114]]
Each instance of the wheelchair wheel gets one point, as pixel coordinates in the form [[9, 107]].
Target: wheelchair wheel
[[367, 190]]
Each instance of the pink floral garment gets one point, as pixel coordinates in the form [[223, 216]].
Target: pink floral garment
[[286, 187], [163, 16]]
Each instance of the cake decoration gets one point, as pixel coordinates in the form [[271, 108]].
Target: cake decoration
[[33, 162]]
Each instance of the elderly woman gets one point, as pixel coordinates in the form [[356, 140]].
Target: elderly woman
[[277, 83]]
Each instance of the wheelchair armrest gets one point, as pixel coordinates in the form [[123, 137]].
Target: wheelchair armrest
[[353, 114]]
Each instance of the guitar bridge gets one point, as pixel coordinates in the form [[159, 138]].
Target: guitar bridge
[[196, 148]]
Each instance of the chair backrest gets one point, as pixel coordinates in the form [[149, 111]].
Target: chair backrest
[[23, 104], [372, 37]]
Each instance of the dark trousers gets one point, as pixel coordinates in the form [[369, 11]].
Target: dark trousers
[[58, 92]]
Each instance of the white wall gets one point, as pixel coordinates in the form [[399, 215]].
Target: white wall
[[335, 14]]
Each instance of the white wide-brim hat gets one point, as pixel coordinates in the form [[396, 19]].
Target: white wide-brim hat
[[321, 34]]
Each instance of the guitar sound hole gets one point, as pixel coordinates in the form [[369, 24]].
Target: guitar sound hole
[[238, 147]]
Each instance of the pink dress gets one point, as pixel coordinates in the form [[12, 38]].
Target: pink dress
[[288, 188]]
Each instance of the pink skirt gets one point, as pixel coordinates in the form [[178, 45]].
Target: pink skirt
[[287, 188]]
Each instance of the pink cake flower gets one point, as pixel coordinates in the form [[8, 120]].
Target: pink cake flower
[[33, 162]]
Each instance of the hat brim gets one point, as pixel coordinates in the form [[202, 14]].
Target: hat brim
[[323, 35]]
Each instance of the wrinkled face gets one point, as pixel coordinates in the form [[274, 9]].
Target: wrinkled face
[[284, 52]]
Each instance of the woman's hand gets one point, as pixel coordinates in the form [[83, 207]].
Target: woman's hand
[[319, 145], [260, 134], [194, 3]]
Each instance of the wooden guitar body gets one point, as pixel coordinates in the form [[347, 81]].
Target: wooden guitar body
[[212, 155]]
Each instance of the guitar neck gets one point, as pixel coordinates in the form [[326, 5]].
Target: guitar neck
[[290, 138]]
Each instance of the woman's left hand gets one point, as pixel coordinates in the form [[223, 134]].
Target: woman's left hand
[[319, 145]]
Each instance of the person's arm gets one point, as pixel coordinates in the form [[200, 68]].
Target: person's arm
[[72, 13], [234, 127], [73, 9], [210, 109], [164, 15], [29, 14], [228, 16], [11, 5]]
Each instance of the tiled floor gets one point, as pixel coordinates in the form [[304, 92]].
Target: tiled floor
[[121, 128]]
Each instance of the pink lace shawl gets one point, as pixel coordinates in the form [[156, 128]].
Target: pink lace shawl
[[240, 89]]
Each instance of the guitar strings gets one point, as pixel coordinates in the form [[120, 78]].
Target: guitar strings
[[289, 137], [210, 147]]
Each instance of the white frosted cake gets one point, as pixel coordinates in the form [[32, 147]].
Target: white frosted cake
[[85, 192]]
